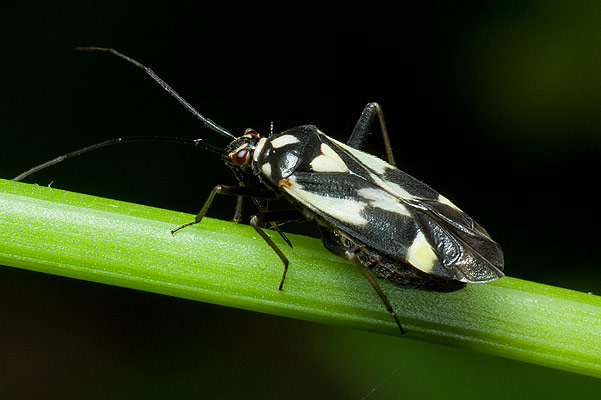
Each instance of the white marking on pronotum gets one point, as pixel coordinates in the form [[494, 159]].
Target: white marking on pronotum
[[259, 149], [372, 162], [266, 169], [420, 254], [328, 161], [343, 210], [381, 199], [284, 140]]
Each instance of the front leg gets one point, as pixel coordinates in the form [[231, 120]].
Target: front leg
[[363, 125], [228, 190], [272, 217]]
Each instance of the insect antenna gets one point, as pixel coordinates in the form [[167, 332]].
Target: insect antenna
[[49, 163], [195, 142], [208, 123]]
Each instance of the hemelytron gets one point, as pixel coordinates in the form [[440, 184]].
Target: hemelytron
[[390, 224]]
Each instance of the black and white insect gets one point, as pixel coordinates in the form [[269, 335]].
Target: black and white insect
[[390, 224]]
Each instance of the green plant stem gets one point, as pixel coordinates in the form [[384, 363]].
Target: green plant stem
[[108, 241]]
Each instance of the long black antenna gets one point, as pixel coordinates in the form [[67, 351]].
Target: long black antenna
[[208, 123], [193, 142]]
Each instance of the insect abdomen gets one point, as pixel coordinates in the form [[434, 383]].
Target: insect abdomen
[[399, 273]]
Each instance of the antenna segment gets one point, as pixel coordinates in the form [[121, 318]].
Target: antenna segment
[[208, 123]]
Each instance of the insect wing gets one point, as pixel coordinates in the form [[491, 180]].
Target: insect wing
[[464, 247], [394, 214]]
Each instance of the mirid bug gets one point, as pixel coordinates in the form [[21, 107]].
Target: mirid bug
[[388, 223]]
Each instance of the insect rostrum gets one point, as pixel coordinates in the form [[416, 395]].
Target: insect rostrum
[[388, 223]]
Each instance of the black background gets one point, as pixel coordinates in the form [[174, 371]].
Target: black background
[[496, 107]]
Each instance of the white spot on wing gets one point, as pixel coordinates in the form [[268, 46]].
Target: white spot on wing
[[266, 169], [420, 254], [372, 162], [391, 187], [343, 210], [381, 199], [284, 140], [379, 167], [328, 161], [446, 201]]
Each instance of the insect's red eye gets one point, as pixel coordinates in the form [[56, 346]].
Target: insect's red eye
[[251, 131], [240, 157]]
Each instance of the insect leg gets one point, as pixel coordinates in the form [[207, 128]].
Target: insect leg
[[382, 295], [363, 125], [242, 178], [341, 245], [272, 217], [238, 212], [238, 190]]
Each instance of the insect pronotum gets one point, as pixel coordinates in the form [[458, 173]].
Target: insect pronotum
[[391, 225]]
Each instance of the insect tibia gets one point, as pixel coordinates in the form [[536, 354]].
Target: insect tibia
[[382, 295], [179, 228]]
